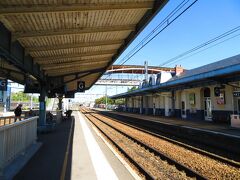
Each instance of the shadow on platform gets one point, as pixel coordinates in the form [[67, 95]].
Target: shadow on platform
[[48, 162]]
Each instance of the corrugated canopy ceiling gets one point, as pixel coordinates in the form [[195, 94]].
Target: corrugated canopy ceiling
[[76, 39]]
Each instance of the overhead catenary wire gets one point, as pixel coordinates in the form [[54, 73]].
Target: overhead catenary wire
[[205, 49], [166, 21], [217, 38], [168, 24]]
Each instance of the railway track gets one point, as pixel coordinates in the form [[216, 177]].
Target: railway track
[[209, 165], [219, 154], [200, 151], [148, 175]]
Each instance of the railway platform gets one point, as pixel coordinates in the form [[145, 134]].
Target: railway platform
[[74, 151]]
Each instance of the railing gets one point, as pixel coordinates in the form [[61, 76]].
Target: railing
[[9, 120], [15, 139]]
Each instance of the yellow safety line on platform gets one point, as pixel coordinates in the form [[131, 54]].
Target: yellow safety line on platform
[[64, 167]]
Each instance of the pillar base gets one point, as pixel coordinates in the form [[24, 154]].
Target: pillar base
[[59, 117]]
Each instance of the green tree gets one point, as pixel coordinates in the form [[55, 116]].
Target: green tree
[[119, 102], [20, 96], [132, 89], [102, 100]]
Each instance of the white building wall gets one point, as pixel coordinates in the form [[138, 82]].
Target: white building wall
[[197, 103], [137, 102], [178, 100], [228, 106], [145, 101], [150, 101], [184, 95], [163, 100], [158, 102]]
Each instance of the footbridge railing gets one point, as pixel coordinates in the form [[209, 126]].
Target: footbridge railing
[[15, 139]]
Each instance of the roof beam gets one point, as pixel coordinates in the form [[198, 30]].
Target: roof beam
[[77, 72], [78, 77], [68, 46], [14, 53], [46, 8], [70, 65], [46, 66], [68, 69], [49, 58], [6, 73], [80, 30], [52, 63]]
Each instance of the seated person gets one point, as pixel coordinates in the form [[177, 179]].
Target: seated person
[[49, 117], [68, 113], [31, 113]]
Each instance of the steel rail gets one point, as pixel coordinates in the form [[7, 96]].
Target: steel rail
[[138, 166], [189, 147]]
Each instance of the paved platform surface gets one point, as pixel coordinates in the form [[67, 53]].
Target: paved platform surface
[[48, 161], [203, 125], [82, 155]]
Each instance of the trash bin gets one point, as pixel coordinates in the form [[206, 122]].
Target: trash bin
[[235, 121]]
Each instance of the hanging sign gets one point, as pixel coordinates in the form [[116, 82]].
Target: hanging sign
[[236, 94], [1, 96], [3, 85], [81, 86]]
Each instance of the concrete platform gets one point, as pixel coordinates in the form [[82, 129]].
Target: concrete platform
[[74, 151], [92, 159], [14, 167]]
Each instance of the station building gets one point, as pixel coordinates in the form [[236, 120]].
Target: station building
[[210, 92]]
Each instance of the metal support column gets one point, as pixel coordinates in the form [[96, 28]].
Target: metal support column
[[42, 106], [146, 70], [60, 103], [60, 109]]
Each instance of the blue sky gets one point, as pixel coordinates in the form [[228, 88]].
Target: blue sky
[[205, 20]]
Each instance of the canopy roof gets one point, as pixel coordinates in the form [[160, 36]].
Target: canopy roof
[[65, 41]]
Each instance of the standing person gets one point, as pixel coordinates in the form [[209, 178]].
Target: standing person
[[18, 112]]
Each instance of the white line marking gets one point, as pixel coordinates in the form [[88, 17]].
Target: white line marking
[[127, 166], [102, 168]]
